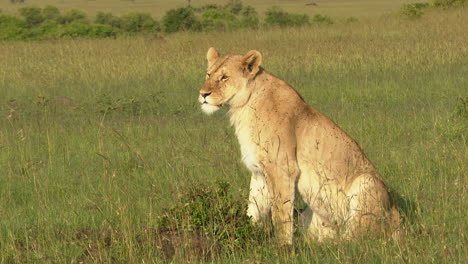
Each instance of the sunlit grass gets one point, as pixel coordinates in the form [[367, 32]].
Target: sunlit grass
[[98, 137]]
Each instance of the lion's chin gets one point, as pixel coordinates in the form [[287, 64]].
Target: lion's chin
[[209, 109]]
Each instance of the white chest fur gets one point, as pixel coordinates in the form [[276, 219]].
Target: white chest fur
[[241, 121]]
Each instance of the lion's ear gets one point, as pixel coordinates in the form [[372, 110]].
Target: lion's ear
[[212, 55], [251, 62]]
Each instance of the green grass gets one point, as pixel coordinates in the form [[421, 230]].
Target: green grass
[[339, 8], [86, 179]]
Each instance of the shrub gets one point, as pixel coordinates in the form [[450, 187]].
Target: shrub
[[12, 28], [73, 30], [108, 19], [214, 213], [48, 29], [234, 6], [249, 17], [139, 22], [321, 19], [414, 10], [73, 15], [276, 16], [449, 3], [219, 19], [101, 31], [32, 15], [51, 13], [181, 19]]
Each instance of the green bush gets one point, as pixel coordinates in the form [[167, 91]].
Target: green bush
[[249, 17], [51, 13], [234, 6], [181, 19], [101, 31], [48, 29], [414, 10], [139, 22], [220, 19], [108, 19], [214, 213], [276, 16], [12, 28], [73, 30], [73, 15], [32, 15], [449, 3]]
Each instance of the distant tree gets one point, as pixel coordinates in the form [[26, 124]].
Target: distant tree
[[17, 1]]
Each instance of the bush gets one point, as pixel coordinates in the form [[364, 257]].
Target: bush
[[414, 10], [108, 19], [449, 3], [249, 17], [12, 28], [181, 19], [48, 29], [73, 30], [234, 7], [320, 19], [51, 13], [276, 16], [101, 31], [213, 213], [139, 22], [219, 19], [73, 15], [32, 15]]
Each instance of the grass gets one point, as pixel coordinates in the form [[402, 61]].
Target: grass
[[339, 8], [100, 138]]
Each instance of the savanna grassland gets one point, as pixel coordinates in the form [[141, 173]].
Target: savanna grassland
[[99, 138]]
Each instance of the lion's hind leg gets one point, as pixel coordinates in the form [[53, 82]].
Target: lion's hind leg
[[315, 226], [369, 205]]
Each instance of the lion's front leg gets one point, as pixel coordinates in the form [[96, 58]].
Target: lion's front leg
[[282, 184], [259, 199]]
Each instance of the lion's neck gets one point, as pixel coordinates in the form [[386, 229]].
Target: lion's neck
[[248, 96]]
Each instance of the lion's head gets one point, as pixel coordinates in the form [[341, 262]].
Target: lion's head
[[227, 78]]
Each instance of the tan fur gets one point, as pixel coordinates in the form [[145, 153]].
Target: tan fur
[[291, 147]]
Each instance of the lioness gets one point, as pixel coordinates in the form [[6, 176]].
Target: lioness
[[289, 146]]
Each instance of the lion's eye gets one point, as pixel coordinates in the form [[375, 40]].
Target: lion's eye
[[208, 75], [224, 78]]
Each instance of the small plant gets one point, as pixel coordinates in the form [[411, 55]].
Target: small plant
[[213, 213], [414, 10], [321, 19]]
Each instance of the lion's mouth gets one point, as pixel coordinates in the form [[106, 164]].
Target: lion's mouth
[[218, 105]]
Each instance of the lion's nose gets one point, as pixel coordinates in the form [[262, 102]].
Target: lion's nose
[[204, 95]]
